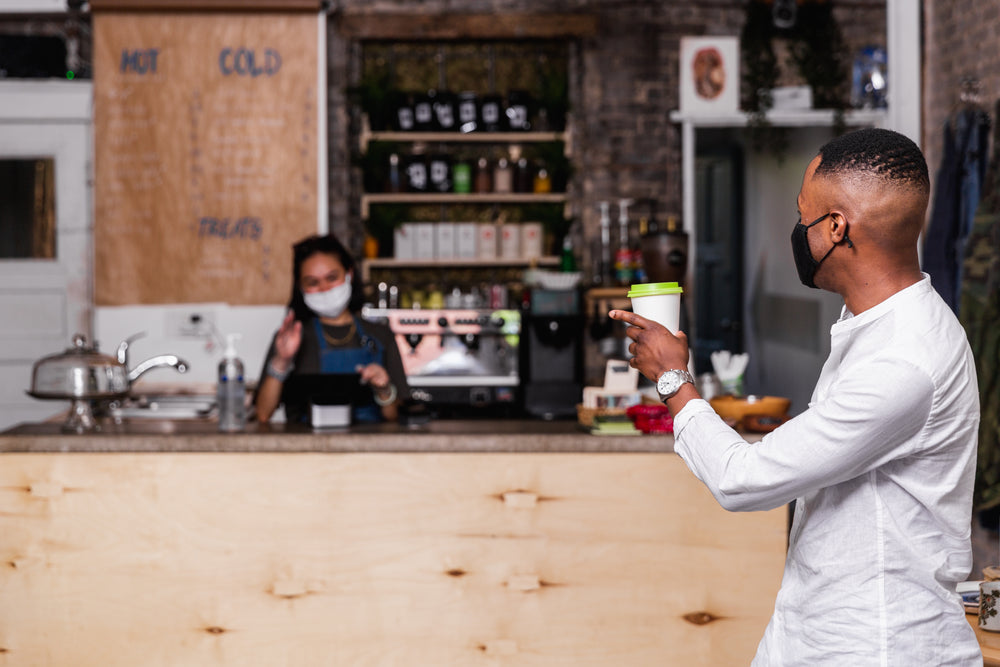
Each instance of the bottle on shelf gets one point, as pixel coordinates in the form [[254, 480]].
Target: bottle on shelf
[[439, 173], [404, 113], [601, 274], [523, 178], [423, 112], [483, 180], [567, 259], [416, 172], [468, 112], [503, 176], [461, 177], [231, 389], [517, 111], [371, 246], [490, 113], [543, 181], [395, 183], [623, 253], [444, 105], [638, 263]]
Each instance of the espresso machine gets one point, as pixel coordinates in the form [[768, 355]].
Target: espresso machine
[[552, 353], [458, 362]]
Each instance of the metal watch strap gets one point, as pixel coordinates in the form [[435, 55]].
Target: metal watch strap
[[685, 376]]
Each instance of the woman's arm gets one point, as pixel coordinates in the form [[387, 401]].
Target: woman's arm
[[386, 393], [278, 367]]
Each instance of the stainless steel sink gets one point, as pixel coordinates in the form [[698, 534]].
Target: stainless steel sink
[[181, 406]]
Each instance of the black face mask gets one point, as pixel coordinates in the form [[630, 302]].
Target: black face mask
[[805, 263]]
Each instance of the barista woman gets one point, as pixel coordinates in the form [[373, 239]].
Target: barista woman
[[323, 334]]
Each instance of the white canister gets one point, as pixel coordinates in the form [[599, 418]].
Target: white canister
[[466, 237], [510, 241], [531, 240], [404, 241], [486, 243], [424, 245], [444, 240]]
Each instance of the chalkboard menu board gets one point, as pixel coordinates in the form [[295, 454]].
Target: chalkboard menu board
[[206, 138]]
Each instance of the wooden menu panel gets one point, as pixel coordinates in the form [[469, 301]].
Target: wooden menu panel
[[205, 129]]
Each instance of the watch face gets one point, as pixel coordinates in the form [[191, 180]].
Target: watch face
[[668, 383]]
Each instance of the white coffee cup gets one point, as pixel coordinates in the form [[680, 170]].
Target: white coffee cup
[[989, 605], [660, 302]]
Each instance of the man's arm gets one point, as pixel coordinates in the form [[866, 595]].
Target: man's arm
[[656, 350]]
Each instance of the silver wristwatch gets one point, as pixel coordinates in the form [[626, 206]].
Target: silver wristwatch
[[669, 382]]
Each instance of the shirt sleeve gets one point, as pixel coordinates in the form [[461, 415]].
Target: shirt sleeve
[[864, 420]]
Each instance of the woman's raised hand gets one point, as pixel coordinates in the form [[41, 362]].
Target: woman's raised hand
[[288, 339]]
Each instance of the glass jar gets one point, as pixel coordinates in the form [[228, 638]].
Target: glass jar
[[461, 176], [468, 112], [543, 181], [483, 180], [502, 176], [523, 178]]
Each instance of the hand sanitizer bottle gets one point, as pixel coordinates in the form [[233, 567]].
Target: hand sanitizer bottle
[[231, 389]]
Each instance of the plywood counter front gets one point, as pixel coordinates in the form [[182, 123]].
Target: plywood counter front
[[515, 543]]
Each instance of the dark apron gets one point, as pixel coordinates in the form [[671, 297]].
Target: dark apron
[[347, 360]]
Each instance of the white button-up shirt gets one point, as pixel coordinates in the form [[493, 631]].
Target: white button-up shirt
[[881, 466]]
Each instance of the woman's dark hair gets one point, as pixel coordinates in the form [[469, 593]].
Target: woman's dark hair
[[329, 245]]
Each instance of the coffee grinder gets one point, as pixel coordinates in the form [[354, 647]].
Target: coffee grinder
[[552, 353]]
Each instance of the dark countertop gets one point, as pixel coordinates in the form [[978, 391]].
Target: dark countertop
[[201, 435]]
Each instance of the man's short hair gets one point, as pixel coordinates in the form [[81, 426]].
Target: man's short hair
[[885, 154]]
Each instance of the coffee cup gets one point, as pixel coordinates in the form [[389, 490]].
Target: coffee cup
[[989, 605], [660, 302]]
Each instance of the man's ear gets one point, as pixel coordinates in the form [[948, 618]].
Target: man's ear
[[838, 228]]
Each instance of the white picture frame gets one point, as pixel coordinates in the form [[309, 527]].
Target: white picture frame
[[710, 75]]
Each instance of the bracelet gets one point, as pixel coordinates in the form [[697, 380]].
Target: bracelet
[[383, 402], [278, 375]]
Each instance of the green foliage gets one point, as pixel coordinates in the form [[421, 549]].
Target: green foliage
[[817, 51], [375, 95], [374, 164]]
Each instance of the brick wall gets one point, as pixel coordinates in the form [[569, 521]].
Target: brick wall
[[624, 84], [625, 87]]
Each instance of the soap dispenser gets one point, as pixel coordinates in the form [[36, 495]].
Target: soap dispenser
[[231, 389]]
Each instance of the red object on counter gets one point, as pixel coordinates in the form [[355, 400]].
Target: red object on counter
[[651, 418]]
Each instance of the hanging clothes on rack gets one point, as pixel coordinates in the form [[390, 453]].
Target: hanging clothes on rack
[[956, 193], [980, 315]]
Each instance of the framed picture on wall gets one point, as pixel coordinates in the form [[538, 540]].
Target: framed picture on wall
[[710, 75]]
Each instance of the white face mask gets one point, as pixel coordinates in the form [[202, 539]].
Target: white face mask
[[332, 302]]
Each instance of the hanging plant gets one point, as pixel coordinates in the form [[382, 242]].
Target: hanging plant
[[816, 50]]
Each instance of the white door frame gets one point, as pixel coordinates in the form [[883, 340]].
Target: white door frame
[[44, 302]]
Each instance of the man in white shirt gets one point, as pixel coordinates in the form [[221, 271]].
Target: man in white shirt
[[882, 462]]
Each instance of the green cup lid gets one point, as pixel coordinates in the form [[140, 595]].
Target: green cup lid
[[654, 289]]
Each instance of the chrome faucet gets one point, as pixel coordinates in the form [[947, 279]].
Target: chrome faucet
[[123, 347], [159, 361]]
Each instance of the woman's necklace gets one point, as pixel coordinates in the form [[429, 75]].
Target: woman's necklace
[[339, 341]]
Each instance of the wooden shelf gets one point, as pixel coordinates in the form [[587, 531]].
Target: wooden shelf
[[418, 198], [510, 138], [607, 293], [391, 263], [358, 24], [785, 118], [368, 136]]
